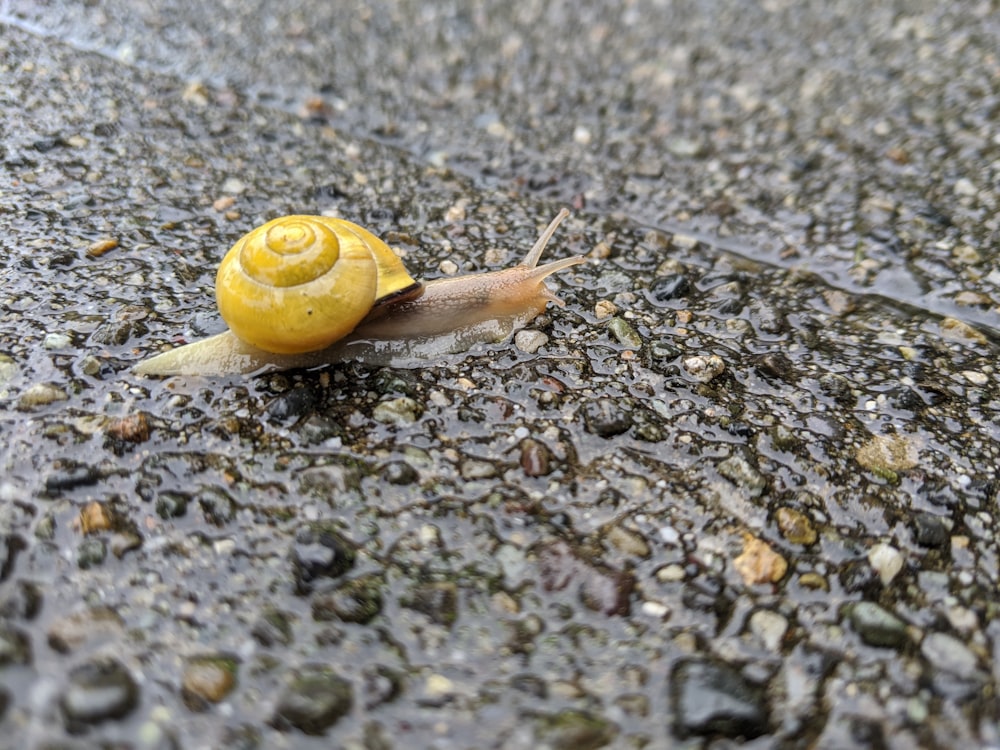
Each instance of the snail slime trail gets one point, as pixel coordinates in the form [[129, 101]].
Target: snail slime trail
[[304, 291]]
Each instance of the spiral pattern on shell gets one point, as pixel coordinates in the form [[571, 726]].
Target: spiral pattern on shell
[[300, 283]]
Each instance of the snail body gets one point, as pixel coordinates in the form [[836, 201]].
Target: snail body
[[372, 311]]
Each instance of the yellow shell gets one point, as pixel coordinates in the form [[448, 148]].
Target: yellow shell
[[300, 283]]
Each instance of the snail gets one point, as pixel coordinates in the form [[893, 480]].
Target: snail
[[302, 291]]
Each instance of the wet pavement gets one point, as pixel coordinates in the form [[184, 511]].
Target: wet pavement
[[742, 487]]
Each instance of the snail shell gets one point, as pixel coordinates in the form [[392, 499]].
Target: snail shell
[[300, 283], [291, 300]]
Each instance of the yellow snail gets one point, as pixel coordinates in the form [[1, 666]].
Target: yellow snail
[[302, 291]]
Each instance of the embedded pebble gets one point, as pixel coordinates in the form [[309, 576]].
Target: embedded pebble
[[529, 340], [775, 365], [22, 600], [91, 553], [959, 330], [886, 561], [233, 185], [713, 698], [132, 429], [976, 378], [931, 531], [400, 473], [838, 387], [127, 323], [737, 469], [92, 625], [380, 685], [476, 468], [704, 369], [535, 458], [294, 403], [314, 700], [15, 646], [770, 627], [56, 341], [604, 417], [605, 309], [69, 475], [171, 504], [320, 551], [40, 394], [397, 411], [8, 369], [358, 601], [877, 626], [273, 628], [125, 541], [99, 690], [814, 581], [624, 333], [99, 247], [206, 680], [796, 526], [573, 730], [885, 455], [627, 542], [216, 505], [93, 518], [948, 654], [670, 536], [758, 563], [669, 287], [438, 600]]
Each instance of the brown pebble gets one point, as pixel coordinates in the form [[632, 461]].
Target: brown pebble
[[97, 249], [758, 563], [93, 519], [796, 526], [898, 155], [207, 679], [224, 203], [315, 107], [534, 458], [814, 581], [134, 428]]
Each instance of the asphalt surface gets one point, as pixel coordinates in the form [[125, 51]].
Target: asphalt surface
[[742, 488]]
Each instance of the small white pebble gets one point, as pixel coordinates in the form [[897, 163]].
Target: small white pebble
[[670, 535], [655, 609], [56, 341], [976, 378], [670, 573], [233, 186], [530, 341], [224, 546], [456, 212], [769, 626], [885, 560], [438, 684], [704, 369], [966, 187]]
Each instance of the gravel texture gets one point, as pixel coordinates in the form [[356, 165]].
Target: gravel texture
[[742, 488]]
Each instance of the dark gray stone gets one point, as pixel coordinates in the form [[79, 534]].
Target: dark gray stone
[[315, 699], [712, 698]]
